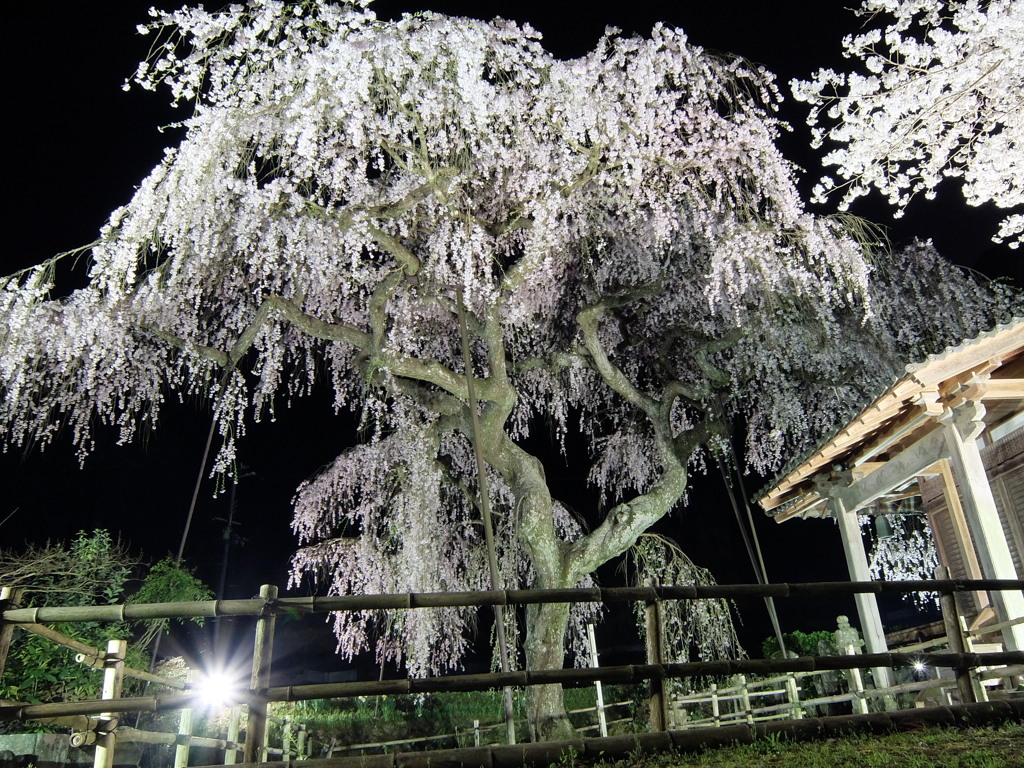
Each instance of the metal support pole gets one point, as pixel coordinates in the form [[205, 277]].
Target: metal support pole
[[262, 653]]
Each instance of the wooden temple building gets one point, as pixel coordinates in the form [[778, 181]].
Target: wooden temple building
[[951, 433]]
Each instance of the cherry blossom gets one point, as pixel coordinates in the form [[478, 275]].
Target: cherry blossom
[[934, 93], [619, 233]]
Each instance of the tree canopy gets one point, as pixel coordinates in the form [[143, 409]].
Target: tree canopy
[[936, 92], [617, 236]]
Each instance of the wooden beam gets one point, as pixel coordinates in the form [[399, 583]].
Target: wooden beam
[[898, 470]]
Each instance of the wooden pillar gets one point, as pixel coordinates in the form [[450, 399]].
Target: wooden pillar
[[262, 653], [113, 676], [10, 597], [867, 604], [962, 428], [656, 704]]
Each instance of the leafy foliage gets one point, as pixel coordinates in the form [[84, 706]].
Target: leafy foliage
[[936, 93], [818, 643], [93, 569]]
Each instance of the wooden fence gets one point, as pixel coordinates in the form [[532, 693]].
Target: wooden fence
[[268, 606]]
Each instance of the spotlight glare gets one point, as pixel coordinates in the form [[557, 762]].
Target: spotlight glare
[[216, 690], [919, 666]]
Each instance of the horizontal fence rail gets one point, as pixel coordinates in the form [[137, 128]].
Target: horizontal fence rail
[[630, 673], [410, 600]]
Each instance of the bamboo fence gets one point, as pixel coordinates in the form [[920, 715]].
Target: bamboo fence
[[268, 606]]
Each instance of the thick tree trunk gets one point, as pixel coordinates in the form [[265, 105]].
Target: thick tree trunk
[[545, 649]]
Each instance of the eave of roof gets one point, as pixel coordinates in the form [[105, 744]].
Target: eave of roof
[[898, 410]]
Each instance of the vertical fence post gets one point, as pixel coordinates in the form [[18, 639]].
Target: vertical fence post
[[10, 597], [716, 710], [286, 739], [113, 675], [793, 694], [234, 720], [262, 653], [656, 704], [300, 750], [184, 740], [955, 638], [476, 733], [602, 721], [860, 701], [745, 700]]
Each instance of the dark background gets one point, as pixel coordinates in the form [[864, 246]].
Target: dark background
[[76, 146]]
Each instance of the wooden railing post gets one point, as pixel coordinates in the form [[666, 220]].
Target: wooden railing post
[[262, 653], [954, 636], [10, 597], [300, 750], [716, 710]]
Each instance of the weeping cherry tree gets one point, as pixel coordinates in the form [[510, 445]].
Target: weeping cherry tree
[[617, 236]]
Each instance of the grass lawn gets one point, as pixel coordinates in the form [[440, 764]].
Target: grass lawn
[[997, 747]]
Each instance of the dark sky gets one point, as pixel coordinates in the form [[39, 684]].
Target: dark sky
[[76, 146]]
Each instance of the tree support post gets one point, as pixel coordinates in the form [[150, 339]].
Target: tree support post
[[10, 597], [113, 676], [656, 703], [184, 740], [234, 719], [262, 654]]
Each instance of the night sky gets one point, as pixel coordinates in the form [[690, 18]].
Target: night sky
[[76, 146]]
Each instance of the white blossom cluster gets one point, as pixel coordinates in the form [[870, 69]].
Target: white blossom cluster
[[937, 92], [618, 234], [908, 553]]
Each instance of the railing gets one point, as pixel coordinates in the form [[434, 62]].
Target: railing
[[268, 606]]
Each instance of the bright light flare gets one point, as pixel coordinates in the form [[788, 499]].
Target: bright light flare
[[217, 689], [920, 666]]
